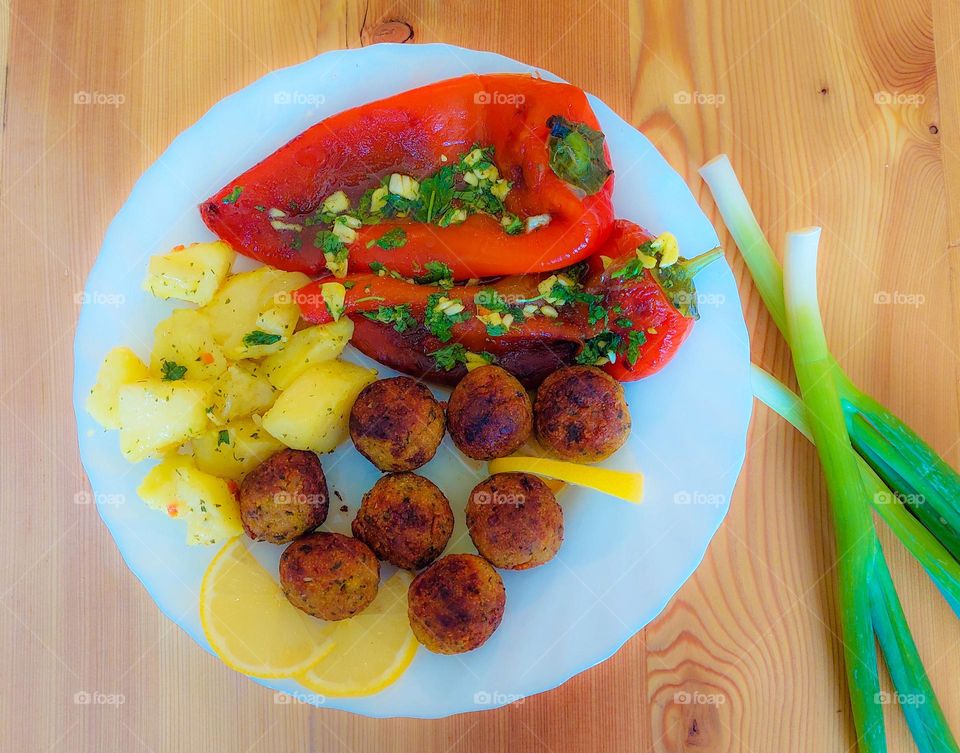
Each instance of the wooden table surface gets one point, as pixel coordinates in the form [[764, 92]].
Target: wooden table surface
[[845, 115]]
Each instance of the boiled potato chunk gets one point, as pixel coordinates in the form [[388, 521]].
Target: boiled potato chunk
[[190, 274], [156, 416], [308, 347], [121, 366], [253, 313], [240, 391], [184, 341], [159, 487], [234, 449], [205, 502], [312, 413]]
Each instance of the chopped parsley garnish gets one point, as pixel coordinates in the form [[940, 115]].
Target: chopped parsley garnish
[[450, 357], [399, 316], [296, 242], [437, 273], [440, 322], [512, 224], [599, 349], [634, 267], [257, 337], [449, 196], [395, 238], [171, 371], [223, 437], [231, 197], [624, 322], [377, 267], [562, 294], [436, 194], [635, 338], [330, 243]]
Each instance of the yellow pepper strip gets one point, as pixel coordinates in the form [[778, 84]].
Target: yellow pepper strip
[[625, 485]]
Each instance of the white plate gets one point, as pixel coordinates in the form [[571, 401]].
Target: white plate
[[619, 564]]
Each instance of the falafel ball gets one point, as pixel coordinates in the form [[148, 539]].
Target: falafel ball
[[397, 424], [489, 414], [329, 575], [405, 519], [455, 604], [284, 497], [581, 414], [514, 521]]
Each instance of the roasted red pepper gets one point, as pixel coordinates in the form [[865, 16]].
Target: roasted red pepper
[[614, 307], [660, 303], [545, 142]]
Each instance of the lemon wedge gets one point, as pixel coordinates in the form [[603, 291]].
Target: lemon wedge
[[371, 650], [249, 622], [627, 485]]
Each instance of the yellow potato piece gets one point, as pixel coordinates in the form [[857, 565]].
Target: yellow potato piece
[[627, 485], [371, 650], [189, 274], [249, 622], [159, 487], [313, 412], [184, 339], [253, 313], [308, 347], [204, 502], [120, 366], [234, 449], [240, 391], [156, 416]]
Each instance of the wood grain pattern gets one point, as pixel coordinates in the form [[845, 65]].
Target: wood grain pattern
[[844, 115]]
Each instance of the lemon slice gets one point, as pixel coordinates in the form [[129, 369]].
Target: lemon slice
[[371, 650], [250, 623], [627, 485]]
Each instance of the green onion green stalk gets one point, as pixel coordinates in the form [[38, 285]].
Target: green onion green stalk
[[870, 458]]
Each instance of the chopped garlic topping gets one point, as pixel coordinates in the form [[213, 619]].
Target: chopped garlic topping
[[333, 294], [536, 222], [281, 225], [404, 185], [336, 203]]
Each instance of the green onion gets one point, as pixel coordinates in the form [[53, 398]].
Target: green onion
[[870, 457], [915, 694], [924, 546], [856, 538]]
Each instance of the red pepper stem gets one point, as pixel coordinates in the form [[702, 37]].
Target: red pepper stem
[[697, 264]]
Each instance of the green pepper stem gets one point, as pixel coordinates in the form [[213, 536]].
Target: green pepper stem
[[698, 263]]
